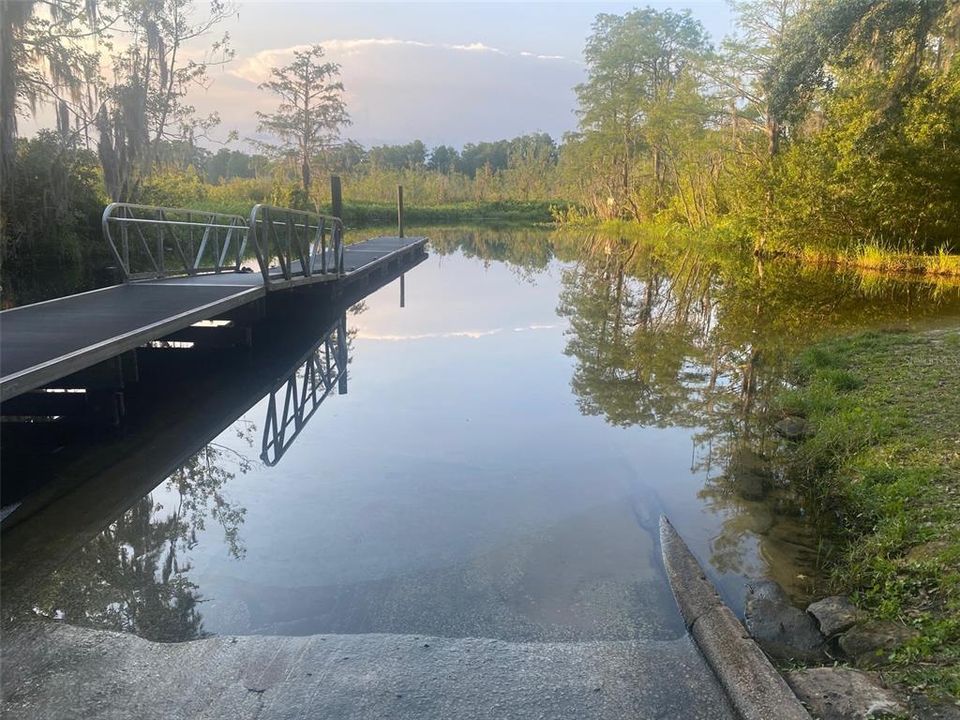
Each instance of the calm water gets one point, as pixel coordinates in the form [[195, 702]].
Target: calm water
[[495, 467]]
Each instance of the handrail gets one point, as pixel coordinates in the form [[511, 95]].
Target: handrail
[[297, 241], [158, 242]]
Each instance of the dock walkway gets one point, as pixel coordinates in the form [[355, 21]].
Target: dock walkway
[[44, 342]]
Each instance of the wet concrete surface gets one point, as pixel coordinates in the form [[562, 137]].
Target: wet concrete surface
[[56, 671]]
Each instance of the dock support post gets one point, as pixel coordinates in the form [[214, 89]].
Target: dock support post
[[400, 209], [336, 197]]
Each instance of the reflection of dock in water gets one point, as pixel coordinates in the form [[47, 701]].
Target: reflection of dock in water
[[183, 401], [295, 398]]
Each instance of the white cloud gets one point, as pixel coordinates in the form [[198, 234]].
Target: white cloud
[[470, 334], [524, 53], [475, 47], [400, 89], [256, 68]]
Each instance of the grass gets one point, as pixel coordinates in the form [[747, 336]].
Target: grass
[[885, 459], [879, 258]]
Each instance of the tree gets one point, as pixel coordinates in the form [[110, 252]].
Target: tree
[[311, 111], [871, 95], [752, 63], [411, 156], [43, 58], [50, 240], [443, 159], [530, 159], [490, 155], [636, 63], [228, 164], [145, 106]]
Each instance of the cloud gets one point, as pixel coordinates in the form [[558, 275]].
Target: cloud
[[399, 89], [475, 47], [524, 53], [256, 68], [468, 334], [471, 334]]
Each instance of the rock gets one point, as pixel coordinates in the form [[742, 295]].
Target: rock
[[793, 428], [835, 614], [837, 693], [872, 642], [782, 630], [928, 709], [750, 474]]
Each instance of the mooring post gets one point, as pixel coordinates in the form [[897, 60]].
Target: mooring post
[[336, 197], [400, 208], [400, 228], [336, 209]]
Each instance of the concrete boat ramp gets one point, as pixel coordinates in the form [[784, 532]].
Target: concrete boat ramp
[[52, 670]]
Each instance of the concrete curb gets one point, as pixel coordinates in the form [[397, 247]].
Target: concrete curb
[[756, 690]]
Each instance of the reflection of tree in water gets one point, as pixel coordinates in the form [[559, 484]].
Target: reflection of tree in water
[[134, 576], [526, 252], [674, 338], [632, 337]]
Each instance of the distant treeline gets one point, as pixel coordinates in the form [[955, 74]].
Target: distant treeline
[[351, 156]]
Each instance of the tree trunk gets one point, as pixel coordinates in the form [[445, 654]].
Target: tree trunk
[[306, 174], [773, 134]]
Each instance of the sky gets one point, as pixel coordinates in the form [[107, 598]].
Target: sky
[[444, 73]]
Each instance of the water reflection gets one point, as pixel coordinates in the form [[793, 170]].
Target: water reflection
[[83, 561], [132, 577], [672, 337], [297, 397], [576, 387]]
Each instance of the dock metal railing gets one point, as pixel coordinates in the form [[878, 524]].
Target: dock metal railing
[[292, 244], [158, 242]]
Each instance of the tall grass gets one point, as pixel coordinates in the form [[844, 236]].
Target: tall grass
[[884, 258]]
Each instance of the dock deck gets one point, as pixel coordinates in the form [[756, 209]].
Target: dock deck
[[46, 341]]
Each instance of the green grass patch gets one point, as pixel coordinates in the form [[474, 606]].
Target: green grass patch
[[884, 459]]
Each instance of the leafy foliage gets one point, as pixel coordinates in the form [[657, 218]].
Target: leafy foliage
[[311, 110]]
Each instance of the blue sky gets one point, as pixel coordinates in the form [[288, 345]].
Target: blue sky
[[441, 72]]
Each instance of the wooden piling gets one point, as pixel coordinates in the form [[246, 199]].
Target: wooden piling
[[336, 197]]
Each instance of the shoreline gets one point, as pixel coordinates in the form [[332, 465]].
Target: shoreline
[[867, 259], [880, 457]]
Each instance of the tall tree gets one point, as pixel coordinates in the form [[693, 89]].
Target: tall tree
[[311, 110], [44, 58], [752, 62], [870, 90], [636, 64], [145, 106]]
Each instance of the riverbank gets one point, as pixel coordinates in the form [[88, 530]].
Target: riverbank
[[362, 212], [881, 455], [512, 212], [879, 259], [868, 258]]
